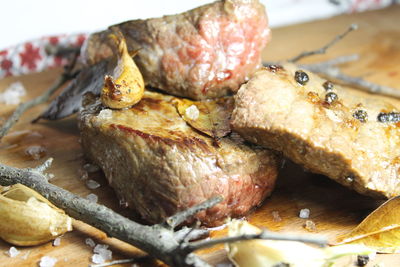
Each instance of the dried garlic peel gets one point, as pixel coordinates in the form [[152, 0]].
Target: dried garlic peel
[[265, 253], [125, 87], [27, 218]]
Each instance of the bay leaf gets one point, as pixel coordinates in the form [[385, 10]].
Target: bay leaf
[[210, 117], [380, 230]]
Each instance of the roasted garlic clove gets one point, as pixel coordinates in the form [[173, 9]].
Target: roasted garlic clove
[[269, 253], [27, 218], [125, 87]]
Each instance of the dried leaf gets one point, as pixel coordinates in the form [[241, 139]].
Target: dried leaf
[[27, 218], [380, 230], [210, 117], [269, 253]]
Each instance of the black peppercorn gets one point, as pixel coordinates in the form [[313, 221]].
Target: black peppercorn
[[331, 97], [361, 115], [328, 86], [301, 77], [362, 260], [388, 117]]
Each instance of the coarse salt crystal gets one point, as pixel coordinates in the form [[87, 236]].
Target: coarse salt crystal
[[92, 198], [12, 95], [92, 184], [90, 242], [304, 213], [192, 112], [98, 259], [35, 152], [101, 253], [105, 114], [12, 252], [47, 261], [57, 242], [276, 217], [310, 226], [100, 247], [91, 167]]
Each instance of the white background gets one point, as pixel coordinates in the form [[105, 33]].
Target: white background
[[23, 20]]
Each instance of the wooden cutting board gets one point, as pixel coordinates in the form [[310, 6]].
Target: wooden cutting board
[[334, 209]]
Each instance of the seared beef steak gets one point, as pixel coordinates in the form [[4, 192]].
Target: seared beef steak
[[338, 132], [159, 165], [202, 53]]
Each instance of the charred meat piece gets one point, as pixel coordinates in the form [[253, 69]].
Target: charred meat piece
[[327, 129], [203, 53], [158, 164]]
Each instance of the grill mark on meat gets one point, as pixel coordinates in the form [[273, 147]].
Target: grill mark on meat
[[159, 169], [186, 142]]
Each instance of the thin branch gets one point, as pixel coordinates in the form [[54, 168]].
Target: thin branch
[[159, 241], [44, 166], [67, 75], [193, 246], [334, 61], [335, 73], [27, 105], [180, 217], [323, 49], [191, 233]]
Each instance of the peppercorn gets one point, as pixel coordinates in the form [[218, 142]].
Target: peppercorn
[[328, 86], [361, 115], [301, 77], [362, 260], [388, 117], [331, 97]]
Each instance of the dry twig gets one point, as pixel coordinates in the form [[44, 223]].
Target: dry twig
[[67, 75], [329, 68], [323, 49], [333, 72], [162, 241]]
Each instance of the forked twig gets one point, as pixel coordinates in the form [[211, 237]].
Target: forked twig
[[161, 241], [323, 49]]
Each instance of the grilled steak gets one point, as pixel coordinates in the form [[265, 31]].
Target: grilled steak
[[158, 164], [351, 136], [203, 53]]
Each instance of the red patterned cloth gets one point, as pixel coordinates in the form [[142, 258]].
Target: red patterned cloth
[[31, 56]]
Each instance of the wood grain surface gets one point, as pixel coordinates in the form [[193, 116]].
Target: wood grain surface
[[334, 209]]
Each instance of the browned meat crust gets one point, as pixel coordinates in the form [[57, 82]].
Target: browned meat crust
[[159, 165], [342, 138]]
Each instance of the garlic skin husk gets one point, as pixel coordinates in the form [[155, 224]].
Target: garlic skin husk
[[268, 253], [27, 218]]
